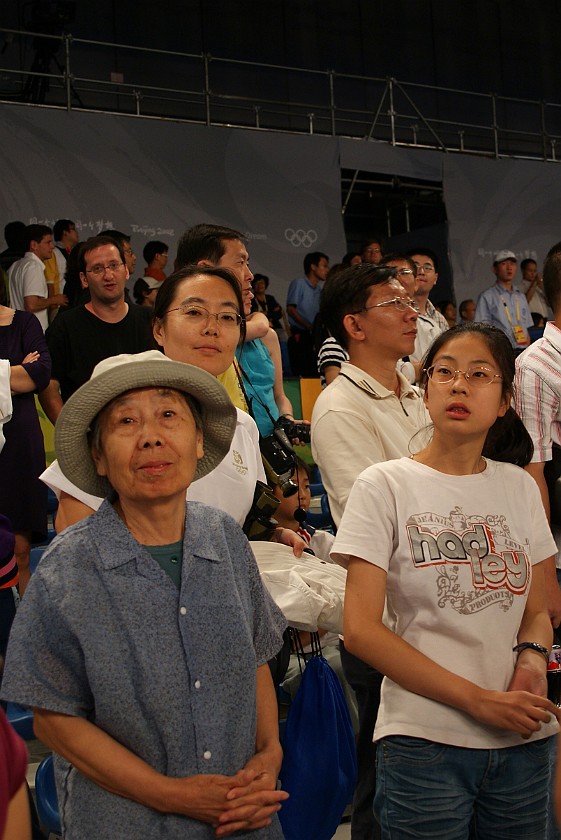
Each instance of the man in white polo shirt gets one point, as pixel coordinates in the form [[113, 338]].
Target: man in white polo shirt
[[28, 286], [367, 415]]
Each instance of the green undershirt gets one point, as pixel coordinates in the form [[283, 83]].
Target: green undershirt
[[169, 558]]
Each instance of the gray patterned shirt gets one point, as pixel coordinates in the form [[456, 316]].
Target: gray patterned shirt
[[104, 634]]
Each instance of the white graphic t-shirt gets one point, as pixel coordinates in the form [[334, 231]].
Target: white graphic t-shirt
[[458, 551]]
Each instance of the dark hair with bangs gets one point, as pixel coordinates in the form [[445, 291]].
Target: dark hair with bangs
[[507, 439], [168, 289]]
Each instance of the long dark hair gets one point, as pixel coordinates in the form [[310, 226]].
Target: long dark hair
[[507, 439], [166, 292]]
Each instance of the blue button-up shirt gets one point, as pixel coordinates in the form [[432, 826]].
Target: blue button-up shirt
[[490, 308], [104, 634]]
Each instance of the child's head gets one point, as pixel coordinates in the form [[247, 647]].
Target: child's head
[[288, 504], [507, 438]]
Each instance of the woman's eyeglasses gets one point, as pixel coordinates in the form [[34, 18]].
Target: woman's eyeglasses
[[199, 316], [476, 375]]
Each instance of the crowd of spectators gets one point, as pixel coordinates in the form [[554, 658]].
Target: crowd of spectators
[[365, 327]]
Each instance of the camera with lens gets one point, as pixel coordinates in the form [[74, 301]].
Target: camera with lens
[[279, 460], [294, 430], [260, 523]]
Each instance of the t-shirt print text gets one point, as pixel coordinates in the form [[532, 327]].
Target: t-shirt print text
[[497, 562]]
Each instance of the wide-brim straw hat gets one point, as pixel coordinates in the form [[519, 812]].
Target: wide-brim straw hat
[[118, 374]]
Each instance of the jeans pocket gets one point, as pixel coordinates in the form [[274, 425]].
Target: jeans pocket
[[536, 751], [402, 749]]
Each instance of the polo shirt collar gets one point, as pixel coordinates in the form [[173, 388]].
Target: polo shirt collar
[[367, 383], [30, 255]]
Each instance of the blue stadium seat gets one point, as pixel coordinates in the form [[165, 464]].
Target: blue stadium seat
[[35, 556], [21, 720], [45, 792]]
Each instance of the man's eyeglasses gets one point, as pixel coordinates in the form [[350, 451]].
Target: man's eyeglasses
[[427, 268], [98, 270], [476, 375], [400, 303], [198, 316]]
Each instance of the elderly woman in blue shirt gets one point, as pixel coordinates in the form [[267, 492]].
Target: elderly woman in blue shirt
[[150, 629]]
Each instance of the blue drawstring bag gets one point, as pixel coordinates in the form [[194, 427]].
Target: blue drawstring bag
[[319, 765]]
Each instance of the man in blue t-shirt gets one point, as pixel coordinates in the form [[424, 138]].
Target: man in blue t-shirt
[[302, 306]]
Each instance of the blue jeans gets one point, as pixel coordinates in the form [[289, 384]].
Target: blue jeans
[[430, 790]]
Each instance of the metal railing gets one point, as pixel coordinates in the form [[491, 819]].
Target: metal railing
[[85, 75]]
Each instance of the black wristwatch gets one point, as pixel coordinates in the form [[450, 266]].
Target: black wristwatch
[[532, 646]]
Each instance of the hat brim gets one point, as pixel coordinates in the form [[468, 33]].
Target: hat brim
[[71, 431]]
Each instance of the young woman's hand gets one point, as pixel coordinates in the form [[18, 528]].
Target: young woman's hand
[[517, 711], [529, 675]]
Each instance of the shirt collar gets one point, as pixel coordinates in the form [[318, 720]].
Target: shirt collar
[[117, 546], [552, 334], [502, 291], [367, 383], [33, 256]]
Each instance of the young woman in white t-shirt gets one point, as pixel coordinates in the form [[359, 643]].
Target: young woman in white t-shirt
[[446, 596]]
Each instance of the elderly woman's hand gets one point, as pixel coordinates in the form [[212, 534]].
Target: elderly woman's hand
[[252, 803], [204, 797]]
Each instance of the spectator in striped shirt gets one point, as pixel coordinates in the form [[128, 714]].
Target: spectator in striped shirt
[[538, 402]]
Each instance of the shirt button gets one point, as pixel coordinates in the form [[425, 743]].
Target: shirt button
[[197, 683], [183, 610], [207, 754]]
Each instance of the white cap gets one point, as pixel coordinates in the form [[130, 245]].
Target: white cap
[[501, 256]]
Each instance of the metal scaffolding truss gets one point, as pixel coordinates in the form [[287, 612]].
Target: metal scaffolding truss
[[77, 74]]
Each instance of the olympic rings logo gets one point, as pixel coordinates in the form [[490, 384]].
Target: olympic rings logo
[[300, 238]]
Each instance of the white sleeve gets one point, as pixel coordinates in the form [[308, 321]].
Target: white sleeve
[[542, 544], [54, 478], [34, 282], [254, 434], [5, 397], [343, 445], [368, 528]]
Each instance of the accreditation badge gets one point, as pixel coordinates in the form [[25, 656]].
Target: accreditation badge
[[519, 335]]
